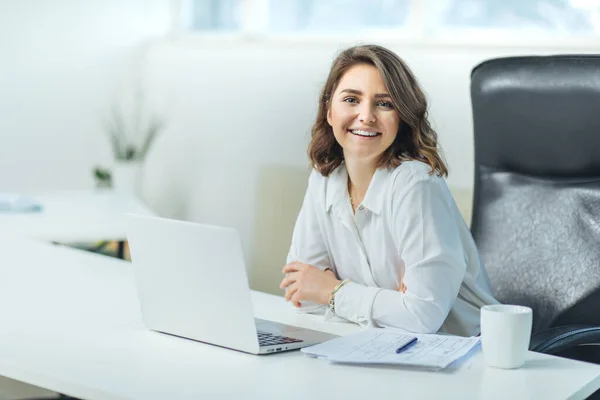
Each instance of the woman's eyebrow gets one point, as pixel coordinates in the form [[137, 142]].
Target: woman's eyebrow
[[352, 91], [359, 93]]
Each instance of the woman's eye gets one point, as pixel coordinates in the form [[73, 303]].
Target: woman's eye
[[385, 104], [350, 100]]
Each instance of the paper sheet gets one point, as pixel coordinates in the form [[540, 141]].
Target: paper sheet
[[378, 346]]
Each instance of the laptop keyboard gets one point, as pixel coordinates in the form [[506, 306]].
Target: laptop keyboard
[[268, 339]]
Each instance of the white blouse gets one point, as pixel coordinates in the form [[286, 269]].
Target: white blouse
[[408, 219]]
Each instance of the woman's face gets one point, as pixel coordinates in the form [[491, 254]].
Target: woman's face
[[364, 121]]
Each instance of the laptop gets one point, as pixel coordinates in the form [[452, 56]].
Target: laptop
[[192, 282]]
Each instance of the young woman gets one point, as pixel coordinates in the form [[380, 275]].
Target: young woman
[[379, 240]]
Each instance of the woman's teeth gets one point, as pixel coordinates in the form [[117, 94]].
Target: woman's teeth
[[364, 133]]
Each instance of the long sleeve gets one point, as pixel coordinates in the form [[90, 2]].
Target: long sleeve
[[427, 236], [307, 244]]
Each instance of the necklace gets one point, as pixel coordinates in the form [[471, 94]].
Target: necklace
[[350, 195]]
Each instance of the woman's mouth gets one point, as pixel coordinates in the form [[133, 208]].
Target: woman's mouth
[[363, 133]]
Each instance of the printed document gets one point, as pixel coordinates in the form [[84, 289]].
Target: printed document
[[378, 346]]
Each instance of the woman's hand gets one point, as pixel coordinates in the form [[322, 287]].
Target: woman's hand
[[305, 282], [401, 285]]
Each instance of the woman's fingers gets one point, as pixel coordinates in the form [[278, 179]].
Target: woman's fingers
[[291, 290], [402, 285], [292, 267], [288, 280], [295, 297]]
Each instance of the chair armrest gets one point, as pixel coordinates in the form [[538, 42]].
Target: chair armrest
[[557, 340]]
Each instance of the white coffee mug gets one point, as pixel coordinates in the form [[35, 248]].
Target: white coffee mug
[[505, 334]]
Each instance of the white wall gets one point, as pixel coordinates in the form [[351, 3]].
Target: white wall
[[241, 116], [238, 114], [62, 63]]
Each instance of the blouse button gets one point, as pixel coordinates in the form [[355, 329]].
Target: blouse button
[[361, 207]]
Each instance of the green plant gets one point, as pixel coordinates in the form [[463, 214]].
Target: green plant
[[102, 176], [132, 137]]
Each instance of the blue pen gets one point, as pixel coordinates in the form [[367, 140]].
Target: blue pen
[[406, 346]]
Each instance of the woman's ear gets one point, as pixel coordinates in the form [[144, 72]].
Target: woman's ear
[[329, 116]]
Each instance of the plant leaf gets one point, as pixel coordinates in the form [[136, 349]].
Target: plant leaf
[[154, 128]]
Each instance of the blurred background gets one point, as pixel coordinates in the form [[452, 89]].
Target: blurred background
[[234, 84]]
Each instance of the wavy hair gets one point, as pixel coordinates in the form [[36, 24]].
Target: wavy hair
[[416, 140]]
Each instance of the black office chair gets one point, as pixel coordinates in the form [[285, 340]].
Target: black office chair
[[536, 206]]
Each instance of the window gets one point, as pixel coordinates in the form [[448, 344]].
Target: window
[[296, 16], [213, 15], [570, 17], [336, 15], [415, 18]]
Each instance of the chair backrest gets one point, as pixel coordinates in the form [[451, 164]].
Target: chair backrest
[[536, 206]]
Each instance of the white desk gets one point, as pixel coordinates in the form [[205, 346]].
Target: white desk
[[75, 216], [70, 322]]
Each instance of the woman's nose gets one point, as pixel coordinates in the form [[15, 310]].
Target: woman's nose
[[367, 114]]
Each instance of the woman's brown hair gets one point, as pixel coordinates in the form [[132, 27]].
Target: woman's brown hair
[[416, 140]]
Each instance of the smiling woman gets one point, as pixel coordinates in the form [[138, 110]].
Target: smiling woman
[[377, 84], [379, 240], [376, 127]]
